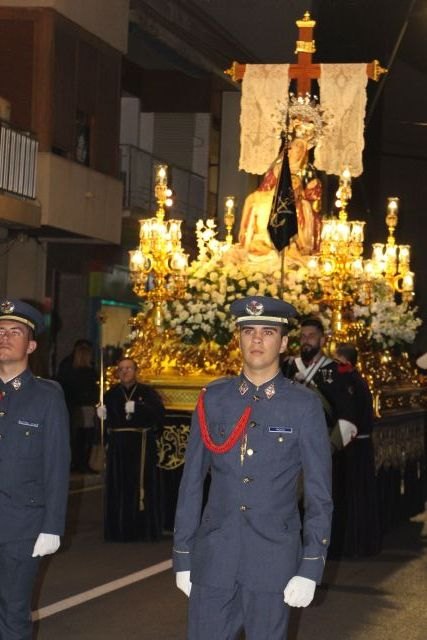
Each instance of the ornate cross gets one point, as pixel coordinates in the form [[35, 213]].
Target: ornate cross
[[304, 71]]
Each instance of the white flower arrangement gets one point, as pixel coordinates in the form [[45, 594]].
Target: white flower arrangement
[[220, 274], [215, 279], [389, 323]]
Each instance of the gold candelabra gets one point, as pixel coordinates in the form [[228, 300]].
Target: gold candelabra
[[339, 267], [391, 261], [339, 262], [158, 267], [229, 218]]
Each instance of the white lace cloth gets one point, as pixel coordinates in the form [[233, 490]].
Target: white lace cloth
[[342, 93], [264, 86]]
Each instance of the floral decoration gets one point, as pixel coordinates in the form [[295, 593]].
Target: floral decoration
[[220, 274]]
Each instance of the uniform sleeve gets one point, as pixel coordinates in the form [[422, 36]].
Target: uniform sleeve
[[190, 498], [56, 463], [316, 463]]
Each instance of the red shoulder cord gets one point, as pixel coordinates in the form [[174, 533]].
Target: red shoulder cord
[[234, 436]]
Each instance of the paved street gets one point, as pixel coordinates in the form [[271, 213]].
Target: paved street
[[96, 590]]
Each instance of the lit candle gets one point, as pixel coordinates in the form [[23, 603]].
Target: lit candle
[[161, 174], [408, 282]]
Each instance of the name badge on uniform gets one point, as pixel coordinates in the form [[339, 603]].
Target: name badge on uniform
[[280, 429], [25, 423]]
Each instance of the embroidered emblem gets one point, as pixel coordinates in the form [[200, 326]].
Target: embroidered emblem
[[244, 388], [254, 308], [270, 391], [16, 384], [280, 429], [7, 307]]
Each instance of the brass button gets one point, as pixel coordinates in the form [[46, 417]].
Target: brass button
[[27, 433], [1, 436], [247, 480], [243, 507], [280, 439], [256, 398], [252, 424], [2, 413], [324, 541], [250, 452], [221, 432]]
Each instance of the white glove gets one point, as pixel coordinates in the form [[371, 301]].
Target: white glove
[[130, 406], [183, 582], [348, 431], [299, 591], [101, 412], [46, 543]]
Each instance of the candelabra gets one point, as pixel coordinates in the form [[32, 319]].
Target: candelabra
[[339, 265], [391, 261], [229, 218], [158, 267]]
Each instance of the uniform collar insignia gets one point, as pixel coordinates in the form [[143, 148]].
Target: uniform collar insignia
[[270, 391], [16, 383], [243, 388], [7, 307]]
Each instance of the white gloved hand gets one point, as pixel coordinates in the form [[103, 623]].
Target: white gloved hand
[[183, 582], [299, 591], [101, 412], [46, 543], [348, 431]]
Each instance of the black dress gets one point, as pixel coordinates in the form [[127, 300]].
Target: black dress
[[362, 535], [132, 500]]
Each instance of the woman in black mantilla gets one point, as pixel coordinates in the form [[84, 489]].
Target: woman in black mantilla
[[134, 415]]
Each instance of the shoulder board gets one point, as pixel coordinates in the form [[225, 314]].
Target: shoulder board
[[48, 382], [218, 381]]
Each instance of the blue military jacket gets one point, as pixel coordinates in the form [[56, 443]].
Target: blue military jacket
[[250, 529], [34, 458]]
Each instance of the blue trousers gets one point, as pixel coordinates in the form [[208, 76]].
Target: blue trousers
[[18, 571], [221, 614]]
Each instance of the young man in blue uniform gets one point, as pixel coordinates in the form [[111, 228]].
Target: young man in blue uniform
[[34, 467], [242, 561]]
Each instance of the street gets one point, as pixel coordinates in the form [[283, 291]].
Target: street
[[96, 590]]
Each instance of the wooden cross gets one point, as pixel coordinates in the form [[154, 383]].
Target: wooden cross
[[304, 71]]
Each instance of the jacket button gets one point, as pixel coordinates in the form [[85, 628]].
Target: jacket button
[[1, 436], [247, 480], [280, 439], [2, 413], [243, 507], [252, 424], [27, 433], [250, 452]]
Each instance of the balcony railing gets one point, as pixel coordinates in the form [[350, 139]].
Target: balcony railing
[[137, 168], [18, 161]]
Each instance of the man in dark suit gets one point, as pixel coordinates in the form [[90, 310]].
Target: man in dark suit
[[34, 467], [243, 562], [314, 369]]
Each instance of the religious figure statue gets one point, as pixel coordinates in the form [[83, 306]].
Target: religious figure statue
[[253, 233]]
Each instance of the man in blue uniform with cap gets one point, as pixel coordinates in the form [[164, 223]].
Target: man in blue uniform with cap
[[34, 467], [243, 561]]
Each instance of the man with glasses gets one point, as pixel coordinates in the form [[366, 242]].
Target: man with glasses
[[34, 467]]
